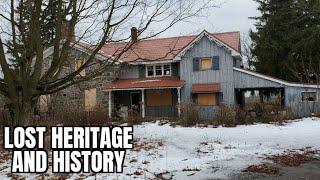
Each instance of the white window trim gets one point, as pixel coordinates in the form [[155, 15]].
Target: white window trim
[[317, 97], [162, 70]]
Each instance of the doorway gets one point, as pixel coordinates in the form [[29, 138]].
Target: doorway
[[135, 101]]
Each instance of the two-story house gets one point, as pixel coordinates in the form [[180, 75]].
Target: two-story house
[[157, 75]]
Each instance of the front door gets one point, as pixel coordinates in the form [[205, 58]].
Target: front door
[[135, 101]]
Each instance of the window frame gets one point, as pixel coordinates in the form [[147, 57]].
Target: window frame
[[316, 100], [154, 70]]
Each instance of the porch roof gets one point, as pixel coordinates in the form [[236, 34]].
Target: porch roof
[[205, 88], [146, 83]]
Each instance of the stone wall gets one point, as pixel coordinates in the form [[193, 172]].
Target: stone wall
[[73, 98]]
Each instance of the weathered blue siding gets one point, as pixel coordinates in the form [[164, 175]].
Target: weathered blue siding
[[246, 81], [129, 71], [224, 76], [299, 107]]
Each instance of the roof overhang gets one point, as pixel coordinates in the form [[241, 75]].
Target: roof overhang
[[145, 83], [205, 88], [285, 83]]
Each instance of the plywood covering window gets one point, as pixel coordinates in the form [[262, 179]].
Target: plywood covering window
[[207, 99], [90, 99], [159, 97], [206, 63], [78, 64], [44, 102], [309, 96]]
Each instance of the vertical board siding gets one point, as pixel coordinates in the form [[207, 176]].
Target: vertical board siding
[[224, 76], [128, 72], [297, 106], [244, 81]]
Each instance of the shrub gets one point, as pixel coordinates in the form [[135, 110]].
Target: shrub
[[189, 114], [226, 115]]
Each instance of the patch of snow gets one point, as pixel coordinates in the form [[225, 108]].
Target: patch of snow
[[208, 153]]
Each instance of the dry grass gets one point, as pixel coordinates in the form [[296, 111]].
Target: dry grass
[[263, 168], [292, 158], [189, 114]]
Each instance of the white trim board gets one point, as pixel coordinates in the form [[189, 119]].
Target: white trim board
[[289, 84], [211, 38]]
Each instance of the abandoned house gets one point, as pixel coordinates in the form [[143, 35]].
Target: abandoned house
[[157, 75]]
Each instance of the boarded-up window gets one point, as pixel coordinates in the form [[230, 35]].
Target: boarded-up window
[[206, 63], [44, 102], [208, 99], [78, 64], [159, 97], [309, 96], [90, 99]]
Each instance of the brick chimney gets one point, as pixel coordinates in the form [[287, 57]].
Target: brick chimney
[[65, 25], [134, 34]]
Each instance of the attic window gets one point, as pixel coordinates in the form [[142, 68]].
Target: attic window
[[206, 63]]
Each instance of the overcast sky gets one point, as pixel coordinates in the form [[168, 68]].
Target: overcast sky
[[232, 15]]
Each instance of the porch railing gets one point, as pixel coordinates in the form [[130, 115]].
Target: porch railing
[[161, 111]]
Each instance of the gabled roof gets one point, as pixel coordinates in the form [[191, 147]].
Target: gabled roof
[[162, 49], [159, 49]]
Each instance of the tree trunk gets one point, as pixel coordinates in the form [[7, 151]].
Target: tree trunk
[[21, 109]]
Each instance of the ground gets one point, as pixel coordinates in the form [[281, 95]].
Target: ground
[[163, 151]]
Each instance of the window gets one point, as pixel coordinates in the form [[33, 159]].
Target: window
[[207, 99], [167, 70], [44, 102], [78, 64], [206, 63], [309, 96], [158, 70], [90, 99], [150, 71]]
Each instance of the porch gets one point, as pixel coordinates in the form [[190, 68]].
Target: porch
[[148, 97]]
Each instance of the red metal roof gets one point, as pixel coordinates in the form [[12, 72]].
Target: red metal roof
[[205, 88], [164, 48], [146, 83]]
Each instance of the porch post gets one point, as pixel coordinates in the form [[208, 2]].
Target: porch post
[[143, 104], [110, 104], [179, 102]]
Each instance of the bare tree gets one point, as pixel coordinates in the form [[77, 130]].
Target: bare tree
[[247, 51], [23, 27]]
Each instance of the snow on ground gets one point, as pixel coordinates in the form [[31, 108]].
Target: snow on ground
[[203, 153]]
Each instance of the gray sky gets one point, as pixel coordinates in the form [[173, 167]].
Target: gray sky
[[231, 16]]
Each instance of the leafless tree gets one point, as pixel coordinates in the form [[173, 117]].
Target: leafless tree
[[24, 79], [246, 51]]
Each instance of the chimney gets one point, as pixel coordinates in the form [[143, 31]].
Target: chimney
[[134, 34], [65, 25]]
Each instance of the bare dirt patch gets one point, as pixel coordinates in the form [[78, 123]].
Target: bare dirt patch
[[293, 158], [263, 168]]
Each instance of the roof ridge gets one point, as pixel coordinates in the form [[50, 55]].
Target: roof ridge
[[179, 36]]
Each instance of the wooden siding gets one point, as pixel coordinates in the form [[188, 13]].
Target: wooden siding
[[129, 71], [297, 106], [224, 76], [245, 81]]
